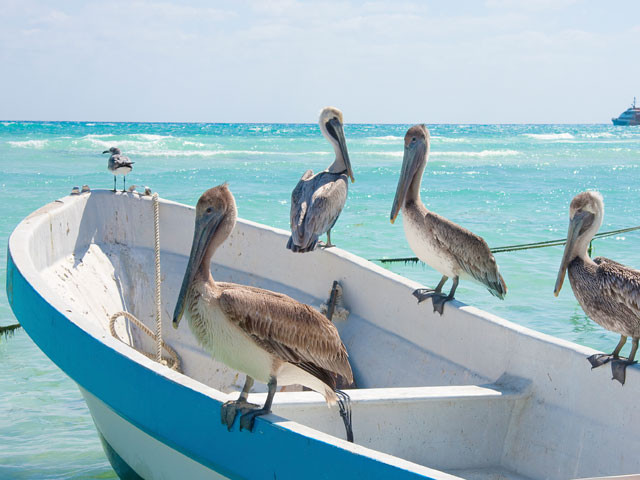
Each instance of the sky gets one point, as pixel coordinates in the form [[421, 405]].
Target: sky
[[493, 61]]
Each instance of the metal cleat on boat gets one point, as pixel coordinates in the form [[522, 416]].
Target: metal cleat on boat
[[85, 189], [75, 191]]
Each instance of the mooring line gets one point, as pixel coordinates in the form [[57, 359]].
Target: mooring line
[[522, 246]]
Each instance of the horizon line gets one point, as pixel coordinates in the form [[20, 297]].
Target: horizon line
[[295, 123]]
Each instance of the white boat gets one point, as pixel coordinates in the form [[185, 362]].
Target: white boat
[[631, 116], [464, 395]]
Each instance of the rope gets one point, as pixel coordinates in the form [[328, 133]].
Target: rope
[[157, 336], [174, 356], [523, 246], [156, 231]]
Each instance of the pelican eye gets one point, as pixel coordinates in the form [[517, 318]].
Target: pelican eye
[[209, 210]]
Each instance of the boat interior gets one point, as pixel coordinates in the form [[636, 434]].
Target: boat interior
[[467, 393]]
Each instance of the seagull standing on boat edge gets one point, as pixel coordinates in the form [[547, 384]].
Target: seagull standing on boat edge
[[268, 336], [318, 199], [608, 292], [118, 164], [443, 245]]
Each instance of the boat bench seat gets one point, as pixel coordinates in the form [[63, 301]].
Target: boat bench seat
[[462, 426]]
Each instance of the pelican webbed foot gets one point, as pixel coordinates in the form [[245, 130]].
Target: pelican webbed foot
[[423, 293], [598, 359], [438, 298], [328, 244], [230, 410], [619, 365], [619, 368], [248, 418], [439, 301]]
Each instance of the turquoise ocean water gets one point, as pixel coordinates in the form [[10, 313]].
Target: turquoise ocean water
[[510, 184]]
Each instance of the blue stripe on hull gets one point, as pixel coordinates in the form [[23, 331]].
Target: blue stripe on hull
[[183, 419]]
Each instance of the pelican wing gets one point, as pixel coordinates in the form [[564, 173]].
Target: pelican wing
[[299, 203], [619, 282], [291, 330], [470, 251], [327, 201]]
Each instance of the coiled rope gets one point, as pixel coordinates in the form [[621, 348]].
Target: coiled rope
[[157, 336], [522, 246]]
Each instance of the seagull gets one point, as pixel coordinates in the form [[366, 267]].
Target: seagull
[[268, 336], [608, 292], [317, 200], [443, 245], [118, 165]]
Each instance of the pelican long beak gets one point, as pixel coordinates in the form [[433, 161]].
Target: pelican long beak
[[202, 235], [335, 128], [575, 224], [410, 161]]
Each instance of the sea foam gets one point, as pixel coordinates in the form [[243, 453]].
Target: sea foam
[[29, 143], [550, 136]]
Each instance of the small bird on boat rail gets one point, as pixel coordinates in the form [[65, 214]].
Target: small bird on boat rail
[[268, 336], [118, 164], [317, 200], [608, 292], [443, 245]]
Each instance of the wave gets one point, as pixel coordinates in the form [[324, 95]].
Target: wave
[[387, 137], [148, 136], [213, 153], [29, 143], [550, 136], [483, 153], [448, 139], [92, 136], [598, 135]]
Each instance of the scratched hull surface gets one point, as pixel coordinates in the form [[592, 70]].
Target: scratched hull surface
[[464, 395]]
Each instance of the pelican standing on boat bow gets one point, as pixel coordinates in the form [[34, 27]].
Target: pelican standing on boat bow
[[452, 250], [267, 335], [318, 199], [608, 292]]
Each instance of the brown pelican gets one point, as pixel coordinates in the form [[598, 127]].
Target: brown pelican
[[608, 292], [452, 250], [269, 336], [118, 164], [318, 199]]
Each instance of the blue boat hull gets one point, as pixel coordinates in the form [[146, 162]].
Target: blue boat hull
[[184, 420]]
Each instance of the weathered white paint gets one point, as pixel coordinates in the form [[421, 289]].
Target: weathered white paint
[[485, 398]]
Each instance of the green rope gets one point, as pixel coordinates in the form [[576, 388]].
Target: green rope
[[523, 246]]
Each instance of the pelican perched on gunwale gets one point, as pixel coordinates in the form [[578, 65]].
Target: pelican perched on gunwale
[[119, 164], [608, 292], [443, 245], [268, 336], [317, 200]]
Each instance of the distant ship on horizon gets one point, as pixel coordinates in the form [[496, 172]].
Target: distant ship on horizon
[[631, 116]]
